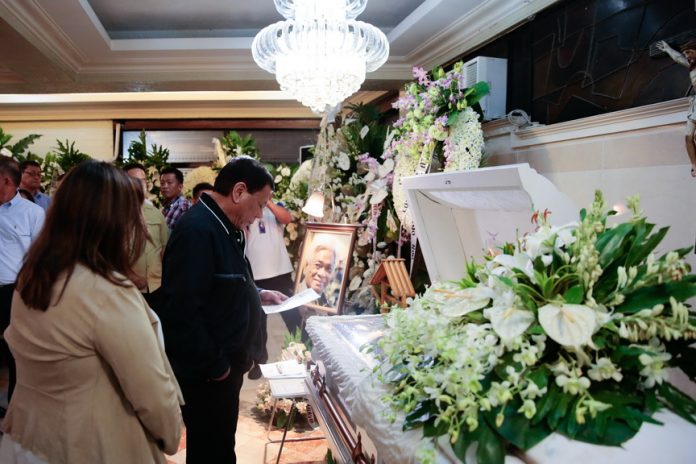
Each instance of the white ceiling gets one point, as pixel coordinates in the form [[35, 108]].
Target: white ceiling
[[77, 46]]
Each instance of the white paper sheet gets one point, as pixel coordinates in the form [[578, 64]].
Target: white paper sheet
[[283, 369], [299, 299]]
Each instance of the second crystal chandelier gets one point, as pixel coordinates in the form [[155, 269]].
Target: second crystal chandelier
[[320, 53]]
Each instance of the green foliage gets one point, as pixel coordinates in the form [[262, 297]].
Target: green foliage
[[154, 160], [157, 157], [235, 145], [67, 156], [296, 337], [20, 146], [18, 149], [372, 142]]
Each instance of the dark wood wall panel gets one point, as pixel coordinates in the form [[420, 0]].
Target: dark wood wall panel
[[586, 57]]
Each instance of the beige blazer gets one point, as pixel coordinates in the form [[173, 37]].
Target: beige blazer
[[93, 383], [149, 265]]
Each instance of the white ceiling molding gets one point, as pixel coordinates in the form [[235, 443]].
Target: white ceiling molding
[[478, 26], [37, 26], [70, 34], [150, 105]]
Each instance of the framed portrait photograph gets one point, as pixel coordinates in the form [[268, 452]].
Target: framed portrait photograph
[[324, 263]]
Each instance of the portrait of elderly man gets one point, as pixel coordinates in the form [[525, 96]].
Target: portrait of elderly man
[[317, 270], [325, 264]]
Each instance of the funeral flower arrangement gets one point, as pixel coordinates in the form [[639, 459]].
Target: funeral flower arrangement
[[350, 169], [570, 330], [438, 123]]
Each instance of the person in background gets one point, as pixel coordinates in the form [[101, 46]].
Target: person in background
[[202, 187], [93, 384], [272, 268], [31, 182], [211, 309], [26, 195], [149, 264], [20, 223], [175, 205]]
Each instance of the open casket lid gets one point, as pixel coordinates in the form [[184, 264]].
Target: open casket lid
[[459, 215]]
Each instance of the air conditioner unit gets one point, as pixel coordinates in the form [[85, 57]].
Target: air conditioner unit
[[493, 71]]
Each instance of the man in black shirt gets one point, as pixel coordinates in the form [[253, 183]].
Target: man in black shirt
[[211, 308]]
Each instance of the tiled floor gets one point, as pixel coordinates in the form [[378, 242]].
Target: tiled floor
[[251, 438]]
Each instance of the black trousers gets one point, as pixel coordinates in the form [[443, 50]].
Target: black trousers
[[6, 292], [210, 415]]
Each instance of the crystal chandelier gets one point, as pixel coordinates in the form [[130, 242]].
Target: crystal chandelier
[[320, 53]]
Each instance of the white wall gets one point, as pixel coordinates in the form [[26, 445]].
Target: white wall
[[637, 151], [96, 138]]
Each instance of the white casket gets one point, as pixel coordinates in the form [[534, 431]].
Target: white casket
[[458, 216]]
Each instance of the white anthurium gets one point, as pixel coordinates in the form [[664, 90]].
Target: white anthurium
[[463, 300], [343, 161], [568, 324], [379, 191], [509, 322], [378, 196], [386, 167]]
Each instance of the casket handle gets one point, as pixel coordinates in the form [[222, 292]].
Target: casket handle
[[355, 446]]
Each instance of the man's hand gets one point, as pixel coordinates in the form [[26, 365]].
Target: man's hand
[[271, 297], [662, 45]]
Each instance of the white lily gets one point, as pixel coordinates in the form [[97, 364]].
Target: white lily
[[537, 243], [568, 324], [519, 261], [510, 322], [564, 235]]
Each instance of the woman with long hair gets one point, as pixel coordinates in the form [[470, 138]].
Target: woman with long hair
[[93, 382]]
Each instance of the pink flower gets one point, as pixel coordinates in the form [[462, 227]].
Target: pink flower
[[420, 74]]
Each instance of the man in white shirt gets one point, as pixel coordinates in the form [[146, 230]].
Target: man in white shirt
[[20, 223], [271, 265]]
